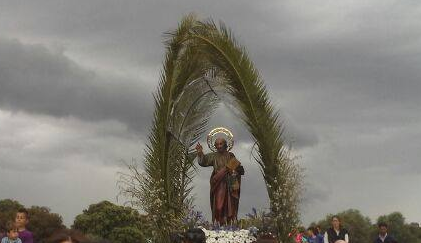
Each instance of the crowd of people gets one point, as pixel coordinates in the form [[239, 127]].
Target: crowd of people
[[16, 232], [336, 234]]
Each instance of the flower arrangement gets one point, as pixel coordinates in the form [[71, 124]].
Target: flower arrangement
[[229, 236]]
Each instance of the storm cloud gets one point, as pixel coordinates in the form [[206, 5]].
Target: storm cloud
[[37, 81], [76, 83]]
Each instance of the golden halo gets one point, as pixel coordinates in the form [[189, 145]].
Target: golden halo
[[220, 130]]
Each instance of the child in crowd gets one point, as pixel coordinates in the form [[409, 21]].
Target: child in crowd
[[12, 234], [195, 235], [319, 234], [298, 235], [311, 236], [21, 220]]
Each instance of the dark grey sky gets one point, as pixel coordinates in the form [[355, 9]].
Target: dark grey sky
[[76, 79]]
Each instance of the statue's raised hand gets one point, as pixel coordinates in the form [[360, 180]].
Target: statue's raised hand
[[199, 148]]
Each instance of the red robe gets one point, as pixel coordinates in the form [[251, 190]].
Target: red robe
[[224, 187]]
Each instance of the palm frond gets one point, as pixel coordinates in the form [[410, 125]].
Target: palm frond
[[245, 85], [247, 88], [204, 64]]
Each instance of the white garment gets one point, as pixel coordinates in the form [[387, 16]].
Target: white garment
[[382, 238], [326, 237]]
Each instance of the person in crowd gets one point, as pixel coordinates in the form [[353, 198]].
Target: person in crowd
[[383, 237], [318, 232], [336, 232], [301, 236], [22, 220], [297, 235], [195, 235], [177, 237], [311, 236], [67, 236], [12, 234]]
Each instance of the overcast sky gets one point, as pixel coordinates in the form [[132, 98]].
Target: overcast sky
[[76, 83]]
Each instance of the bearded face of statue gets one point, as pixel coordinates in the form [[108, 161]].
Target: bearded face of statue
[[221, 145]]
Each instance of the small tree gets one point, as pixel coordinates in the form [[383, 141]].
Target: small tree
[[43, 223], [111, 222]]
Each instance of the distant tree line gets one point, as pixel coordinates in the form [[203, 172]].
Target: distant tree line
[[120, 224]]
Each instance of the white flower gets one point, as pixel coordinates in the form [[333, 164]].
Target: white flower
[[222, 236]]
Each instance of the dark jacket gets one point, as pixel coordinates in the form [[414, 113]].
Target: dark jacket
[[320, 238], [333, 237], [388, 239]]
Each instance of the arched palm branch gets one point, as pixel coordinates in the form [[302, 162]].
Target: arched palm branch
[[202, 56]]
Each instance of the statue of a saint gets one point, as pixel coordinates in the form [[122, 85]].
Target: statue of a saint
[[225, 180]]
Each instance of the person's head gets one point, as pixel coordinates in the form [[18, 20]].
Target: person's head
[[382, 228], [311, 232], [221, 145], [336, 222], [176, 238], [67, 236], [12, 230], [340, 241], [318, 229], [195, 235], [22, 218]]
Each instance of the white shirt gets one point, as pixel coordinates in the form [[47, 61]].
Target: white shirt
[[326, 237], [382, 238]]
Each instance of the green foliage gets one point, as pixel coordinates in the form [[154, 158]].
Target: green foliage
[[415, 231], [43, 223], [111, 222], [126, 234]]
